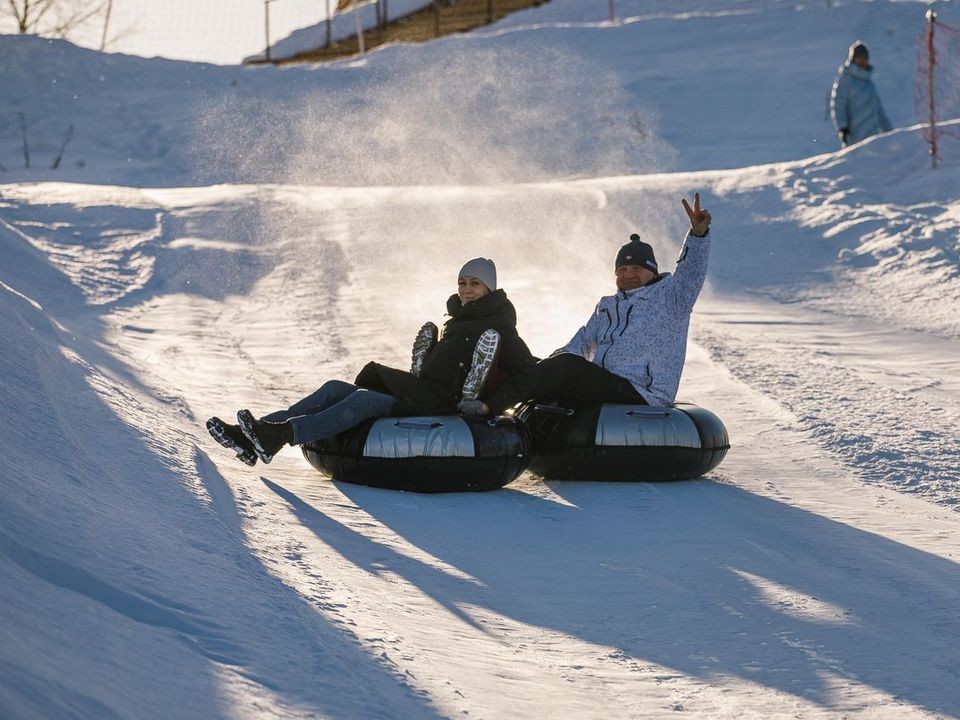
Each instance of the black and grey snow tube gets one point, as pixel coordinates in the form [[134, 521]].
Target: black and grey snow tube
[[426, 454], [624, 443]]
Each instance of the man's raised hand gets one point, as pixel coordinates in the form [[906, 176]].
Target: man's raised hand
[[699, 218]]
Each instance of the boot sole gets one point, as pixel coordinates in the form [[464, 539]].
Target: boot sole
[[484, 356], [245, 420], [422, 345], [218, 431]]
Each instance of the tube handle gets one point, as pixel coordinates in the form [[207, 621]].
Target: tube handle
[[417, 425], [553, 410]]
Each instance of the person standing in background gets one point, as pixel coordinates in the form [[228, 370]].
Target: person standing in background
[[854, 103]]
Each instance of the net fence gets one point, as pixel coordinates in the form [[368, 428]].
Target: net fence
[[937, 81]]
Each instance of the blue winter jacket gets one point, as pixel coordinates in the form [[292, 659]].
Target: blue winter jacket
[[641, 334], [855, 104]]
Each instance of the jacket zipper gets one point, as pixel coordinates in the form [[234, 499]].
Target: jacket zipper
[[609, 333], [626, 321]]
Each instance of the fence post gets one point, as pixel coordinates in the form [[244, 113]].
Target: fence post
[[266, 23], [436, 17], [63, 147], [26, 147], [356, 18], [613, 12], [329, 25], [489, 11], [932, 59]]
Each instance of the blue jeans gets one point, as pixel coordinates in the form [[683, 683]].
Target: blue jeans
[[335, 407]]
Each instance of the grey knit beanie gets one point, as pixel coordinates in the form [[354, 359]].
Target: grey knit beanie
[[482, 269]]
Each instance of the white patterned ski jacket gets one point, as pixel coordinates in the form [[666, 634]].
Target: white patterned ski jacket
[[641, 334]]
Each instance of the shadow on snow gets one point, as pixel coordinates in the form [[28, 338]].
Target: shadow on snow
[[705, 578]]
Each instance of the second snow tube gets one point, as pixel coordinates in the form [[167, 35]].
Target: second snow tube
[[624, 443], [426, 454]]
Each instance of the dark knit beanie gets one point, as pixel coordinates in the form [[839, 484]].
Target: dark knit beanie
[[637, 252], [858, 49]]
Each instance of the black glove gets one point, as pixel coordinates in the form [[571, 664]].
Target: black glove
[[843, 135], [473, 407]]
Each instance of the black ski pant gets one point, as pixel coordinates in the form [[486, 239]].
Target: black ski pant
[[566, 378]]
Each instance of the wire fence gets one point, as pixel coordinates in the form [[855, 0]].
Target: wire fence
[[353, 27], [937, 82]]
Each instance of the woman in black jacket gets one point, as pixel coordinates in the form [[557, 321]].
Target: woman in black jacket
[[479, 347]]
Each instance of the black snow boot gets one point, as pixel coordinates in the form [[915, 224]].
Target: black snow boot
[[267, 438], [232, 438], [423, 345]]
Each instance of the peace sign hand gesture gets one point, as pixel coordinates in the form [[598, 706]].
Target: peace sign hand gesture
[[699, 219]]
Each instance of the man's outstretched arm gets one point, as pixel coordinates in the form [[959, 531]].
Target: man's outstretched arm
[[691, 268]]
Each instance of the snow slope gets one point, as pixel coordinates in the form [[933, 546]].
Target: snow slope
[[659, 91], [145, 573]]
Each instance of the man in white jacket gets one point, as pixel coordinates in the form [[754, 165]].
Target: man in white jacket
[[633, 347]]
